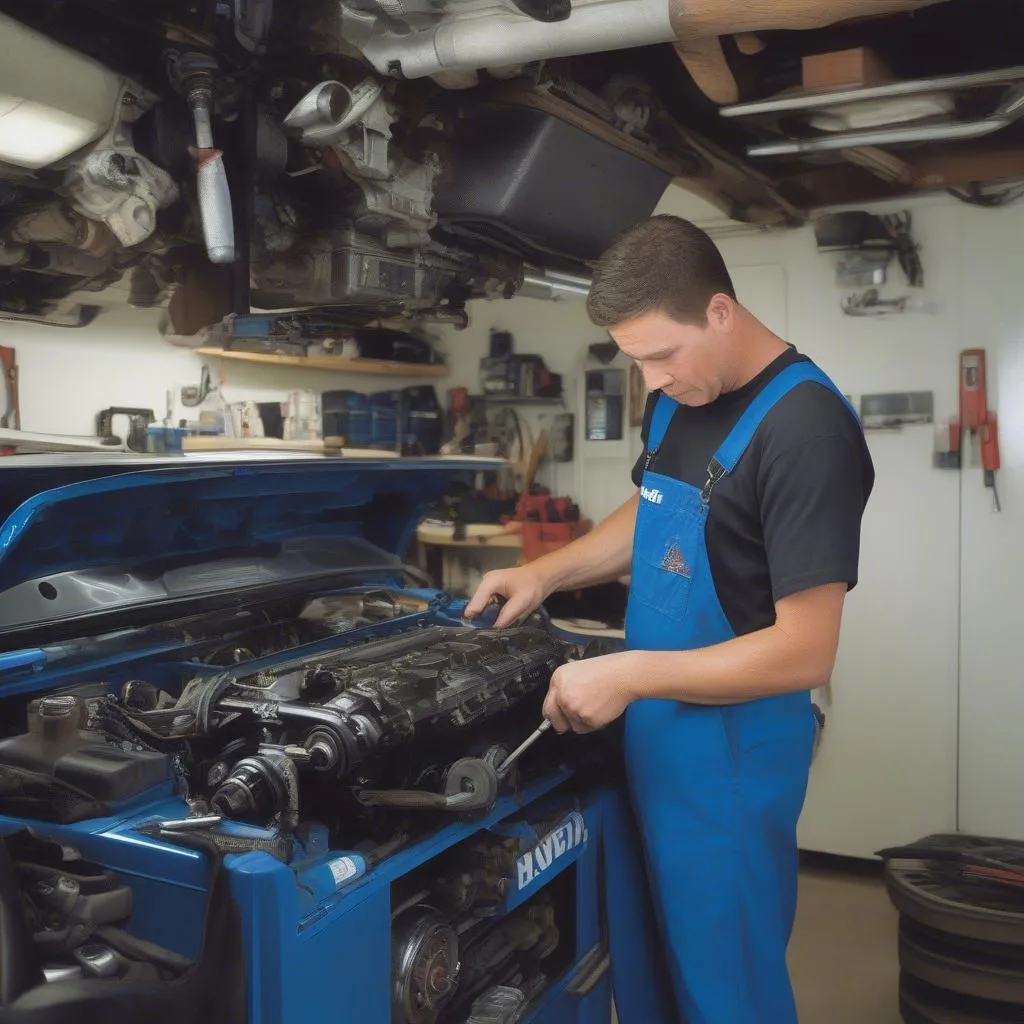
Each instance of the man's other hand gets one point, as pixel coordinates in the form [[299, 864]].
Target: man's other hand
[[588, 695], [522, 588]]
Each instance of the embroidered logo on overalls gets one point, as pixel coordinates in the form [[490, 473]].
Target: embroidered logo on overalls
[[674, 561], [651, 494]]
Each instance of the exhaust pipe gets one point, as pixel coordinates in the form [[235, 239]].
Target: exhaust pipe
[[501, 39]]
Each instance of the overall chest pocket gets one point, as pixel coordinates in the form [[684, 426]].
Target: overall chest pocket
[[668, 553]]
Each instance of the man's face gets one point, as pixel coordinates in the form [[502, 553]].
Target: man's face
[[683, 360]]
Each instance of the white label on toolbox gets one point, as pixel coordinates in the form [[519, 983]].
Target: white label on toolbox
[[343, 869], [571, 834]]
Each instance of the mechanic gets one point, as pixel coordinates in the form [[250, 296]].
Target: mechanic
[[742, 541]]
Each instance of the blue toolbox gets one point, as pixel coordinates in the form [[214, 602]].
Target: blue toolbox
[[252, 770]]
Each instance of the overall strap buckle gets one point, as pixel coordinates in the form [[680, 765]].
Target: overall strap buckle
[[715, 473]]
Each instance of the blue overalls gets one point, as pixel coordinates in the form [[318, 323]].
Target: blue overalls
[[716, 790]]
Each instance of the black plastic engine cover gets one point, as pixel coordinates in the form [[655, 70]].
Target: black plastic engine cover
[[379, 695], [526, 174]]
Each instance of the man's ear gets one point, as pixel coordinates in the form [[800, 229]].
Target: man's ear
[[721, 313]]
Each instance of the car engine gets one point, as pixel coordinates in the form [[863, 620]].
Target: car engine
[[361, 721], [374, 737]]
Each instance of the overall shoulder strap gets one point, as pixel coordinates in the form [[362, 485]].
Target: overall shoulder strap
[[664, 410], [738, 439]]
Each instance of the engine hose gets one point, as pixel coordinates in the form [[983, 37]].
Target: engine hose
[[191, 714], [410, 799]]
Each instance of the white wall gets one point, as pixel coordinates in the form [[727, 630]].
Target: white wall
[[992, 614]]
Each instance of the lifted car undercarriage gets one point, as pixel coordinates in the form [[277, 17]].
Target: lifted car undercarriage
[[396, 158]]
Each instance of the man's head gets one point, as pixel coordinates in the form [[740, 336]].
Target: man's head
[[665, 296]]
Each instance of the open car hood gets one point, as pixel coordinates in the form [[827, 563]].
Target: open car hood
[[110, 541]]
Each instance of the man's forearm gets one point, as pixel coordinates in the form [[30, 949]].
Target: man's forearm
[[600, 556], [759, 664]]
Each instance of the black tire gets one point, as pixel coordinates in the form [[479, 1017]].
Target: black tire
[[966, 966], [925, 1004], [936, 894]]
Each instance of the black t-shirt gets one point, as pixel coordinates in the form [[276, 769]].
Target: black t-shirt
[[788, 517]]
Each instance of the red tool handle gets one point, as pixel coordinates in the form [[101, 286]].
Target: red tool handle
[[990, 443], [973, 401]]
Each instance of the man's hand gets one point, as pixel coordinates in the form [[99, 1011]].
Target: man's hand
[[523, 588], [586, 695]]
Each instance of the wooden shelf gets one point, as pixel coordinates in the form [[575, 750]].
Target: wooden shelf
[[526, 400], [336, 364], [511, 541]]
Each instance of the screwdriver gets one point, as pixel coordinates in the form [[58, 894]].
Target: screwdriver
[[524, 746]]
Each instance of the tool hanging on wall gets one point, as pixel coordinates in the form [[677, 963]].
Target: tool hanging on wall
[[138, 420], [11, 417], [194, 395], [976, 417]]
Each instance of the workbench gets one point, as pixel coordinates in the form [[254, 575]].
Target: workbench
[[458, 564]]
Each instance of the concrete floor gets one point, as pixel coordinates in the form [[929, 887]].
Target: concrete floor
[[843, 957]]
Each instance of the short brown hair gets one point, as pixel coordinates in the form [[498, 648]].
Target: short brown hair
[[664, 264]]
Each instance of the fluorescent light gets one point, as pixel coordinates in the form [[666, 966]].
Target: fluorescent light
[[33, 135]]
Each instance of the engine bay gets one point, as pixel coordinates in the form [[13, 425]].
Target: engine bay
[[315, 718], [352, 725]]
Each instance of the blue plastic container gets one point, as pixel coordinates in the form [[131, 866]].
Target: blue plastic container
[[348, 414], [387, 409]]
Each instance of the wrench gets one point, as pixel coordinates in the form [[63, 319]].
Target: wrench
[[523, 747]]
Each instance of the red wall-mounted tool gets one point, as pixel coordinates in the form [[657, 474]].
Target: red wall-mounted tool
[[974, 415], [973, 400], [990, 449]]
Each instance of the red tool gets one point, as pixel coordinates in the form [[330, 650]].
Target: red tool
[[546, 523], [458, 401], [990, 454], [975, 415], [973, 399]]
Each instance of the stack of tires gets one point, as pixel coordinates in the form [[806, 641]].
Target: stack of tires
[[961, 905]]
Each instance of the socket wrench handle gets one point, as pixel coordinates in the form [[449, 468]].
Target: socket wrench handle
[[523, 747]]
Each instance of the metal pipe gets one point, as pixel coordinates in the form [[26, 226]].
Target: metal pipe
[[499, 38], [212, 188], [840, 97], [1010, 110], [204, 127], [552, 285]]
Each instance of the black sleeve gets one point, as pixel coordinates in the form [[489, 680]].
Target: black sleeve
[[645, 428], [812, 498]]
